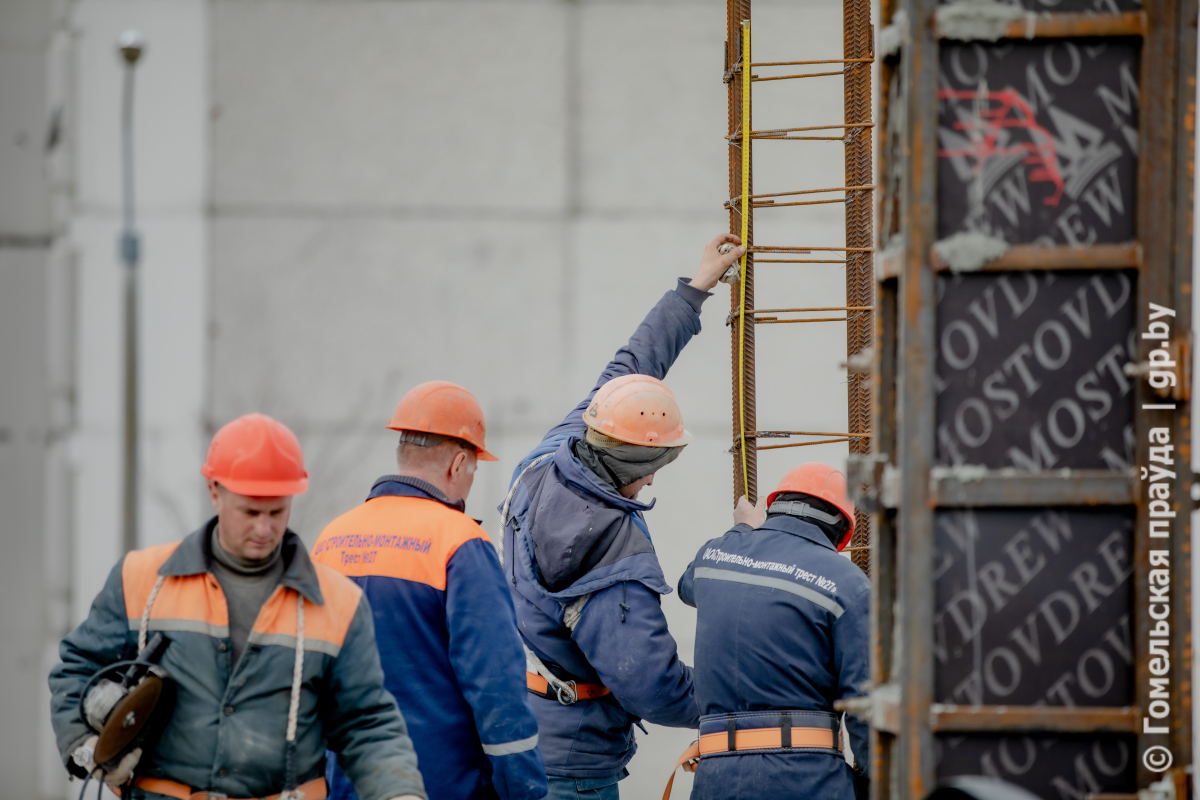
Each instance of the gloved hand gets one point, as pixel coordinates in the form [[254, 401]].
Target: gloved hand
[[752, 515], [714, 263], [84, 756]]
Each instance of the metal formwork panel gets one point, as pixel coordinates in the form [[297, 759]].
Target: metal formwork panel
[[1030, 472]]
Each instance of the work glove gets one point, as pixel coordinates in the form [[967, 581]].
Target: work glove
[[84, 756], [752, 515]]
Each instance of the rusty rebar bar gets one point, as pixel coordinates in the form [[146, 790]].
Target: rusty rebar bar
[[858, 43], [806, 63], [757, 79], [804, 444], [743, 350], [786, 434]]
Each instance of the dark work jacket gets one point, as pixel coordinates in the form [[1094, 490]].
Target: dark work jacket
[[783, 622], [447, 638], [572, 539]]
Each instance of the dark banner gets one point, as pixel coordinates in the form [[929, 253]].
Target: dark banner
[[1037, 141], [1053, 768], [1031, 370], [1033, 606]]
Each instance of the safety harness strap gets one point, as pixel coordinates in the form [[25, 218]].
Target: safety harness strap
[[689, 757], [313, 790], [580, 691], [747, 740]]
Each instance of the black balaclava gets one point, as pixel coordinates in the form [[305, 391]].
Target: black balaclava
[[619, 463], [835, 532]]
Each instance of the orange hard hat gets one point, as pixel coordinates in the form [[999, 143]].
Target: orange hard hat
[[446, 409], [256, 456], [823, 482], [638, 409]]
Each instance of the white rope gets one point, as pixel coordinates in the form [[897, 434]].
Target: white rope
[[298, 671], [508, 501], [145, 625]]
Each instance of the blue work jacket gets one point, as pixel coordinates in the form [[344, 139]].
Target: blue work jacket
[[782, 623], [448, 640], [573, 541], [228, 728]]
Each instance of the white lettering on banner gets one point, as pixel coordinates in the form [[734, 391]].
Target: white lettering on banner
[[721, 557]]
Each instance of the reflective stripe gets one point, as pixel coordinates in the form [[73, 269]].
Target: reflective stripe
[[824, 602], [284, 640], [185, 625], [510, 748]]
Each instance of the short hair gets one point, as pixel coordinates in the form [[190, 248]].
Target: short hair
[[420, 450]]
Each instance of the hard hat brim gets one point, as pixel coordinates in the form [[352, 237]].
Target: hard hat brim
[[264, 488], [685, 439]]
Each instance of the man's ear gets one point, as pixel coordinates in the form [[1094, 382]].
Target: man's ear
[[214, 493], [458, 463]]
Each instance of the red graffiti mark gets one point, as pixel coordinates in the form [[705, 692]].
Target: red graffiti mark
[[1006, 109]]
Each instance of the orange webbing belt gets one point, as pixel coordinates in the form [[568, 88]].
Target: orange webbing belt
[[313, 790], [750, 739], [583, 691], [691, 754]]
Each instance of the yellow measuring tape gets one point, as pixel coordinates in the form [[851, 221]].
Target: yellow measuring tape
[[745, 235]]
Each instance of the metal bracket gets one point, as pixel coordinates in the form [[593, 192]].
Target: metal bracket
[[873, 482], [880, 708]]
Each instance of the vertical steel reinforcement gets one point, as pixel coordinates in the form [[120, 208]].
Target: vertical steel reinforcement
[[858, 43], [743, 347]]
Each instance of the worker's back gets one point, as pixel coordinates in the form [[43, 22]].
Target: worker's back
[[455, 668], [783, 623]]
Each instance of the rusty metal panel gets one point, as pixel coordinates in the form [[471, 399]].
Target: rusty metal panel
[[1033, 606], [1051, 767], [1032, 370], [1037, 141]]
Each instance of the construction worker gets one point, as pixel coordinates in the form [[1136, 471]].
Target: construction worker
[[781, 633], [578, 555], [272, 657], [444, 618]]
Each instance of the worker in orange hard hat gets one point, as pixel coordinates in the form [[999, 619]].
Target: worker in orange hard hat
[[582, 568], [444, 618], [782, 626], [251, 659]]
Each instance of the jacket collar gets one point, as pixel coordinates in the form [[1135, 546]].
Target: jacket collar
[[579, 476], [408, 486], [192, 557], [798, 527]]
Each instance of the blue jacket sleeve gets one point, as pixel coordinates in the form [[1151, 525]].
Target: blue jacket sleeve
[[623, 634], [652, 349], [852, 660], [687, 584], [489, 663], [103, 638], [362, 722]]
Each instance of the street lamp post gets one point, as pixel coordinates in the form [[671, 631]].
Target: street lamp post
[[130, 46]]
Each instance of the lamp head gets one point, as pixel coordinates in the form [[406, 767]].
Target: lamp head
[[130, 45]]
